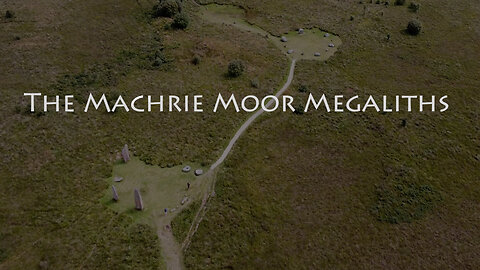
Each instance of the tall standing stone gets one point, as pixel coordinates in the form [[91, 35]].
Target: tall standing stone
[[138, 200], [125, 154], [115, 193]]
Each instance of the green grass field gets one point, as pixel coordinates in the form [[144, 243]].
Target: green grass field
[[318, 190], [160, 188]]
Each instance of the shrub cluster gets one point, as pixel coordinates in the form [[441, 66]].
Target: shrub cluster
[[180, 21], [196, 59], [414, 6], [167, 8], [172, 9], [414, 27], [9, 14], [236, 68], [303, 88], [399, 2]]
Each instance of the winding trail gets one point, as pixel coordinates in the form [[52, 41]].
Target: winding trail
[[252, 118], [211, 172]]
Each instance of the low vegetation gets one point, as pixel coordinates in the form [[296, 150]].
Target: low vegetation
[[182, 222], [414, 27], [9, 14], [404, 198], [235, 68], [316, 190], [167, 8], [414, 6], [180, 21]]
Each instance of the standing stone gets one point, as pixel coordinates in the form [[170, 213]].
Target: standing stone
[[283, 39], [138, 200], [290, 51], [125, 154], [300, 31], [115, 194], [198, 172]]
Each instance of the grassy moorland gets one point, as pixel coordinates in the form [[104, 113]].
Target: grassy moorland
[[298, 191], [53, 165], [346, 191]]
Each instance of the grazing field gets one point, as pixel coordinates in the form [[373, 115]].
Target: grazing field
[[298, 191]]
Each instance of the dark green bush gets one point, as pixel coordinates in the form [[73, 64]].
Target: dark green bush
[[299, 109], [196, 59], [414, 27], [303, 88], [181, 21], [236, 68], [414, 6], [399, 2], [9, 14], [167, 8]]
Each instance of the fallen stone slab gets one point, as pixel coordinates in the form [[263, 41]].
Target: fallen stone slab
[[186, 169], [326, 35], [283, 39], [290, 51], [331, 45], [184, 200], [316, 54], [118, 179], [198, 172], [300, 31]]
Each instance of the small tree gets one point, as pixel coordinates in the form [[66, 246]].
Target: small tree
[[167, 8], [181, 21], [399, 2], [235, 68], [414, 27]]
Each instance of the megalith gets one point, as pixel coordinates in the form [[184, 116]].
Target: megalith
[[115, 193], [138, 200], [125, 154]]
